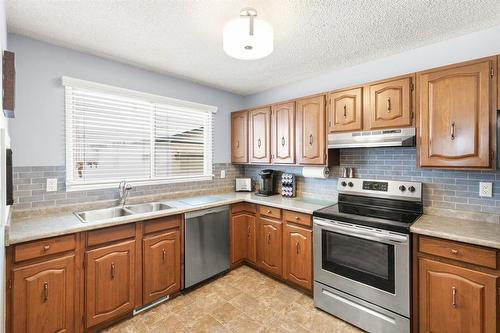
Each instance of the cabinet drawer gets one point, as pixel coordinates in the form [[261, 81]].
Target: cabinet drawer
[[270, 211], [297, 218], [162, 223], [471, 254], [44, 247], [243, 207], [110, 234]]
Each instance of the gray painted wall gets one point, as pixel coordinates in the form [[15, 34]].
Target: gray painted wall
[[37, 133], [472, 46]]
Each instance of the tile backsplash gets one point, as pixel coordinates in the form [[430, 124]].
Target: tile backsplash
[[442, 188], [30, 187]]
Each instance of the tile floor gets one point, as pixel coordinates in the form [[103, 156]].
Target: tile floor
[[243, 300]]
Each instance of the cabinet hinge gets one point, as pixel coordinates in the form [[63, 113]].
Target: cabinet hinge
[[9, 284], [83, 320], [492, 72], [412, 114]]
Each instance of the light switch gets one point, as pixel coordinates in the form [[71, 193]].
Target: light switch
[[51, 184]]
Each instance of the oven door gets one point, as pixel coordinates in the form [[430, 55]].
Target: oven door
[[365, 262]]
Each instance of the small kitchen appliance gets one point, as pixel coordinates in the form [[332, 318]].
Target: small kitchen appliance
[[288, 185], [243, 184], [362, 264], [266, 183]]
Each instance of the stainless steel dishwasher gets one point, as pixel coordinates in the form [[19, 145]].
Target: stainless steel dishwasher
[[206, 244]]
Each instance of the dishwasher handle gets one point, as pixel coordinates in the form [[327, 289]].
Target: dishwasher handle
[[198, 213]]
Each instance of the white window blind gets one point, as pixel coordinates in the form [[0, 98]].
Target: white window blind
[[115, 134]]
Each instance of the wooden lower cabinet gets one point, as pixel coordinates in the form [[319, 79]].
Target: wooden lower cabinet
[[243, 247], [44, 296], [251, 240], [270, 245], [456, 299], [109, 282], [297, 255], [161, 272]]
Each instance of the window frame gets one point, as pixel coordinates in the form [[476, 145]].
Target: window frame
[[72, 185]]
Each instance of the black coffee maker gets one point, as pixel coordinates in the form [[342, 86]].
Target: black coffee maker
[[266, 183]]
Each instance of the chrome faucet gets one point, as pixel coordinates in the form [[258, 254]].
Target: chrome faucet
[[123, 190]]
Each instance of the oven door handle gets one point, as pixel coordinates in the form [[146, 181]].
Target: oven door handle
[[355, 232]]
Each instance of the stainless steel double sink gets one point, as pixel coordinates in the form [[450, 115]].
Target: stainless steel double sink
[[114, 212]]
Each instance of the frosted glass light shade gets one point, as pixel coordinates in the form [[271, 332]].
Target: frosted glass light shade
[[239, 43]]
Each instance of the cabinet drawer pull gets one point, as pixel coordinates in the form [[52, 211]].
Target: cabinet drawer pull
[[453, 251], [283, 141], [258, 143], [164, 253], [112, 271], [388, 104], [45, 292], [297, 218], [454, 297], [297, 247], [310, 139], [269, 211], [46, 248], [345, 111], [452, 130]]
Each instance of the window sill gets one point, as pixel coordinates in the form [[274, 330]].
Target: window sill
[[99, 186]]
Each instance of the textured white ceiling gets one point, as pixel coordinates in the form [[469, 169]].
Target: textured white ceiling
[[184, 37]]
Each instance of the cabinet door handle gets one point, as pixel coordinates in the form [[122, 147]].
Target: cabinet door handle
[[388, 104], [345, 110], [297, 247], [258, 143], [238, 144], [112, 270], [45, 292], [248, 233], [452, 130], [453, 251], [310, 139], [283, 141], [269, 238], [454, 297], [164, 253]]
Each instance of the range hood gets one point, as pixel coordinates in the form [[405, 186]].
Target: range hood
[[401, 137]]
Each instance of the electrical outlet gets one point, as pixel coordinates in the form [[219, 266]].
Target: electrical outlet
[[223, 174], [51, 184], [486, 189]]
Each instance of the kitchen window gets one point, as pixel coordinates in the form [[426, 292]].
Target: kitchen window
[[115, 134]]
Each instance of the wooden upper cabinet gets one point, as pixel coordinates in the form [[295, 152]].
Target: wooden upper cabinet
[[260, 135], [44, 297], [161, 265], [457, 115], [456, 299], [311, 130], [283, 133], [390, 103], [498, 82], [110, 282], [297, 256], [345, 110], [270, 246], [239, 137]]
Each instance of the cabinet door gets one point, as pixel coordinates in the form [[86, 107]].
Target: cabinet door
[[270, 246], [390, 104], [283, 133], [161, 271], [456, 299], [43, 297], [110, 282], [239, 135], [239, 228], [346, 110], [260, 135], [455, 108], [251, 240], [298, 255], [310, 130]]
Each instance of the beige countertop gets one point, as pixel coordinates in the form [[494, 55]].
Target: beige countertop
[[27, 229], [472, 231]]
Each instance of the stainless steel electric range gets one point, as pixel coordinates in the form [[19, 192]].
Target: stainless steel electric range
[[362, 253]]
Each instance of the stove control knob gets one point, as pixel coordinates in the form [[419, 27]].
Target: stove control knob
[[350, 184], [402, 188], [411, 189], [343, 184]]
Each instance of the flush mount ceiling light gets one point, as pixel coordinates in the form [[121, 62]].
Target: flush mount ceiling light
[[248, 37]]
